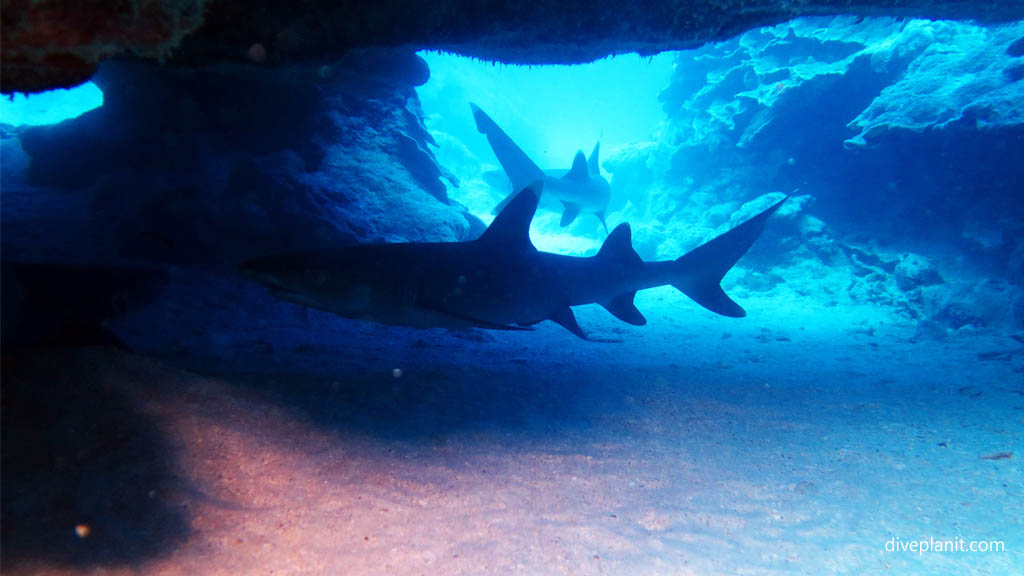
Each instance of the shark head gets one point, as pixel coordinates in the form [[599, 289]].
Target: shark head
[[602, 190], [583, 188], [326, 282]]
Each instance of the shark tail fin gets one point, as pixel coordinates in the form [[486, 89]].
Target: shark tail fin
[[520, 169], [700, 271]]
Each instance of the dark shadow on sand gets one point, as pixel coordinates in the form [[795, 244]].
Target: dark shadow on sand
[[77, 452], [430, 401]]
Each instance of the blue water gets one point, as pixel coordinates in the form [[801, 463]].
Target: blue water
[[871, 398], [49, 107]]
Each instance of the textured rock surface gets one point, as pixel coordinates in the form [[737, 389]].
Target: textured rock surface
[[58, 44], [900, 183], [913, 75], [52, 43], [182, 171], [211, 167], [955, 74]]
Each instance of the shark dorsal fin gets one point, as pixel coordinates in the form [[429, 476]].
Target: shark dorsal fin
[[579, 167], [618, 247], [593, 163], [511, 227]]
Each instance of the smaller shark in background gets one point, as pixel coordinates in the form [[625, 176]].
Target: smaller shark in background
[[581, 189], [500, 280]]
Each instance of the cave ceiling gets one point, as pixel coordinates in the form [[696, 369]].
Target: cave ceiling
[[59, 43]]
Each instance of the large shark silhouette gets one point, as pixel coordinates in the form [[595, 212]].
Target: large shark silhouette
[[580, 189], [500, 280]]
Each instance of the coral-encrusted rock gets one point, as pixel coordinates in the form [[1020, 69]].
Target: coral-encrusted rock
[[954, 73], [213, 166], [929, 74], [777, 109], [50, 43], [915, 270], [182, 174], [58, 44]]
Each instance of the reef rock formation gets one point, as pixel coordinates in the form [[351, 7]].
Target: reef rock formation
[[912, 75], [198, 170], [909, 177], [58, 43], [209, 167]]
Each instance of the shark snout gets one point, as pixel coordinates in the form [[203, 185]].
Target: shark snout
[[249, 267], [260, 271]]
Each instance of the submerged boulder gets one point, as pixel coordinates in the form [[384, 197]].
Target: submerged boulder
[[914, 271], [189, 172], [58, 43], [932, 178], [213, 166]]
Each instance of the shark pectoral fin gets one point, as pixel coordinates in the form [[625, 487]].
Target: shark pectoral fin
[[570, 214], [567, 320], [579, 168], [622, 307], [604, 222]]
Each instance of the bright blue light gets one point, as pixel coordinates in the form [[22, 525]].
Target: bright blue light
[[550, 112], [49, 107]]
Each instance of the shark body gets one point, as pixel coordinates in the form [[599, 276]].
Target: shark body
[[579, 189], [500, 280]]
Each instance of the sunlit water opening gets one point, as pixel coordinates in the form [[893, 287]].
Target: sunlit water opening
[[49, 107], [550, 112]]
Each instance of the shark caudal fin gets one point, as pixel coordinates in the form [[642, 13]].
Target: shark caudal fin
[[594, 162], [701, 270], [521, 170]]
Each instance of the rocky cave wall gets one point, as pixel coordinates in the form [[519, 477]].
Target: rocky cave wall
[[232, 151], [58, 43], [899, 139], [211, 166], [197, 170]]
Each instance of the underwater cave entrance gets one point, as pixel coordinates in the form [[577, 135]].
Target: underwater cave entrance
[[550, 112], [50, 107]]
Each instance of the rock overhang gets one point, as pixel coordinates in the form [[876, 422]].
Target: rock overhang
[[59, 43]]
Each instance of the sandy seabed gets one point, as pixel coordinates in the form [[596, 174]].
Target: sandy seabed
[[765, 446]]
